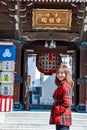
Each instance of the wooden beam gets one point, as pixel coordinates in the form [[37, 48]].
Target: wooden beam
[[64, 36], [58, 49]]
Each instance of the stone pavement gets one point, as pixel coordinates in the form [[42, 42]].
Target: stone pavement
[[37, 120]]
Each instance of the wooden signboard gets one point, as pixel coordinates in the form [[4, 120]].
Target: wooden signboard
[[53, 19]]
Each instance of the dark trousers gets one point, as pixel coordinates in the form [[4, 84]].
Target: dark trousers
[[60, 127]]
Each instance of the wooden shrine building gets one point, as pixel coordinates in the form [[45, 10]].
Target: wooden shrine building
[[30, 23]]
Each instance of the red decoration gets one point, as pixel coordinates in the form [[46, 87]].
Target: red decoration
[[47, 63], [6, 103]]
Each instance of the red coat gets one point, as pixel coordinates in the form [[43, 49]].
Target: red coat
[[61, 108]]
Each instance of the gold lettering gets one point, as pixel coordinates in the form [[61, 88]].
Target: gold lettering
[[58, 20], [47, 15], [51, 20], [44, 20], [56, 14]]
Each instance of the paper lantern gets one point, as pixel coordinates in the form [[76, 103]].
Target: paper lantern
[[7, 77], [6, 89], [47, 63], [8, 65]]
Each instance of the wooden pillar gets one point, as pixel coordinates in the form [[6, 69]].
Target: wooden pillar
[[83, 73], [17, 83], [75, 75], [83, 62], [25, 81]]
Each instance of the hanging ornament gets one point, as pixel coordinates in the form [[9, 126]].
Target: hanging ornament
[[47, 63]]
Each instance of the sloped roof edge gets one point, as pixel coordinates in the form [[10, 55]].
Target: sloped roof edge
[[45, 1]]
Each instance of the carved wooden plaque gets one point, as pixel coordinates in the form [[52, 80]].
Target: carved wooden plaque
[[53, 19]]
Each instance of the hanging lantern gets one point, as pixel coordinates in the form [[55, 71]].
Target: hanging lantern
[[47, 63]]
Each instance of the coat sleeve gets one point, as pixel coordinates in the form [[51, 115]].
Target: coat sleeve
[[67, 99]]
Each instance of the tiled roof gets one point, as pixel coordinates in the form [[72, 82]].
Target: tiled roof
[[49, 0]]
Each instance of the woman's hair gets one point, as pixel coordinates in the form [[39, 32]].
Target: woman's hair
[[68, 76]]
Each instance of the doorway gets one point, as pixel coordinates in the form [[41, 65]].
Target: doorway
[[42, 85]]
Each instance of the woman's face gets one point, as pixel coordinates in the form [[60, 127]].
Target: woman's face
[[61, 75]]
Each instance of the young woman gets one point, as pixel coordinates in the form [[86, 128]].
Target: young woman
[[61, 108]]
